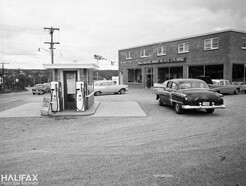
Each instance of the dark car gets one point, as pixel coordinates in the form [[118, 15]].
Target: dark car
[[39, 89], [186, 94]]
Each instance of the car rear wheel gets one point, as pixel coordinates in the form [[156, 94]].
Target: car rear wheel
[[236, 91], [122, 91], [210, 111], [178, 108], [160, 102], [97, 93]]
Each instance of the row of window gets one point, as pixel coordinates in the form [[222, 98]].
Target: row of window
[[209, 44], [165, 73]]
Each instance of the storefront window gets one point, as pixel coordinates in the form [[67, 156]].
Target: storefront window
[[238, 72], [163, 74], [195, 71], [134, 75], [213, 71], [169, 73], [176, 72]]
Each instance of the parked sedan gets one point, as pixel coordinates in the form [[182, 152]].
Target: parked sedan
[[242, 85], [224, 86], [108, 87], [186, 94], [39, 89]]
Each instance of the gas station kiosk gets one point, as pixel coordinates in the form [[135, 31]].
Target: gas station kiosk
[[72, 86]]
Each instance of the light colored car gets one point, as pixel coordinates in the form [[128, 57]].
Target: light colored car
[[242, 85], [159, 86], [108, 87], [224, 86]]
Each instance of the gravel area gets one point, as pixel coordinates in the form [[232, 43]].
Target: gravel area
[[163, 148]]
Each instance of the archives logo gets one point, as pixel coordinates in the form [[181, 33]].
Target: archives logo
[[19, 179]]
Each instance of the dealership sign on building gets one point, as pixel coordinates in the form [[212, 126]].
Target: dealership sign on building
[[173, 60]]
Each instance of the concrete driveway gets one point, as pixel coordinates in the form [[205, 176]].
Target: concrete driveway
[[101, 108]]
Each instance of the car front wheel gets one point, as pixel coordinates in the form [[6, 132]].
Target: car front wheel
[[178, 108], [97, 93], [122, 91], [236, 92]]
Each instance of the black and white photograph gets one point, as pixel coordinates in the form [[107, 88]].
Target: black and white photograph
[[123, 92]]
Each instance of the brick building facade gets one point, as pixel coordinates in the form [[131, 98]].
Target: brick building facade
[[220, 55]]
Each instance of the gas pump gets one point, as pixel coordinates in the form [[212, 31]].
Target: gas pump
[[55, 101], [80, 94]]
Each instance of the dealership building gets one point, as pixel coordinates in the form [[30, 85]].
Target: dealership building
[[220, 55]]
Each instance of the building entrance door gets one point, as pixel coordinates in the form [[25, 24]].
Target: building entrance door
[[149, 77], [70, 89]]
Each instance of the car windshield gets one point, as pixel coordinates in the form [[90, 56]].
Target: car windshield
[[192, 84], [39, 86]]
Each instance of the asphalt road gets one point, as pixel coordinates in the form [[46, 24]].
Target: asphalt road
[[11, 100], [162, 148]]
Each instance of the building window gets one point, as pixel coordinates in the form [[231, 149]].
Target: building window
[[162, 51], [244, 43], [213, 71], [211, 44], [143, 53], [238, 72], [128, 55], [183, 47], [134, 75], [169, 73]]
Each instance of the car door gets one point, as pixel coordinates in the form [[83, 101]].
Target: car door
[[162, 93], [103, 87], [167, 94], [229, 88], [174, 98], [111, 87], [222, 87]]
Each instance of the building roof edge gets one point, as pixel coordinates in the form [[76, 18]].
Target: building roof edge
[[187, 37]]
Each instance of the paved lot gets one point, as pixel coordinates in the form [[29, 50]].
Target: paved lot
[[162, 148]]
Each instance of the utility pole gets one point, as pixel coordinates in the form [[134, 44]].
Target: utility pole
[[51, 29], [3, 72]]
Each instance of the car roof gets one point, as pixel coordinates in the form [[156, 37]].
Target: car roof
[[220, 80], [186, 80], [99, 81]]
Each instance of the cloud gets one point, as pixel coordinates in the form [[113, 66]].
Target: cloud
[[104, 27]]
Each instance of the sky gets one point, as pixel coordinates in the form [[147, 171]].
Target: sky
[[103, 27]]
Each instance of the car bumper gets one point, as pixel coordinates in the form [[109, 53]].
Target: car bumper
[[203, 107], [37, 92]]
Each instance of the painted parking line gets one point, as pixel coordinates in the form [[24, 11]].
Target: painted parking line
[[163, 176]]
